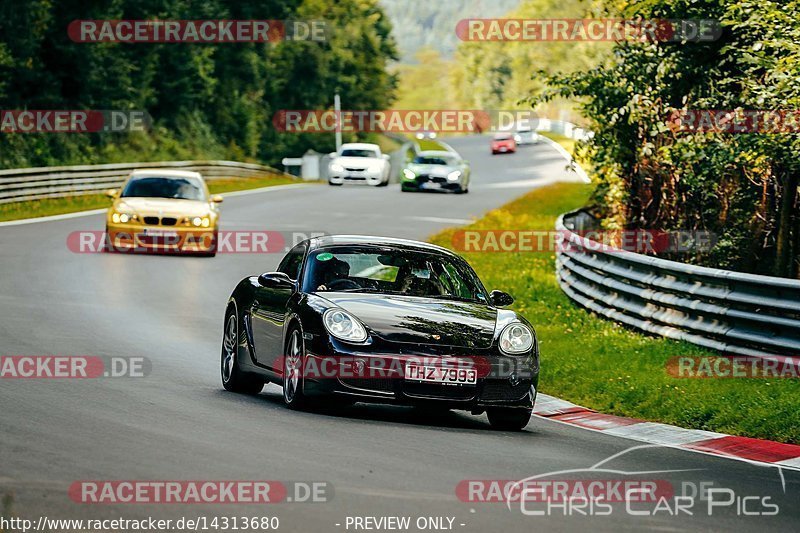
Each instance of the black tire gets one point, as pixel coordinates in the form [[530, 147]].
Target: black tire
[[293, 395], [233, 379], [508, 418], [383, 183], [332, 184]]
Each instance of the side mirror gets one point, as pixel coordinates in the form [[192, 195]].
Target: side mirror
[[386, 156], [500, 298], [111, 193], [275, 280], [217, 199], [332, 154]]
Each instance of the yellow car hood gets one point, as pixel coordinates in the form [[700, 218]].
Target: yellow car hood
[[164, 207]]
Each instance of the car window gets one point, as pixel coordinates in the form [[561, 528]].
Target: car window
[[164, 187], [293, 261], [351, 152], [392, 271], [435, 160]]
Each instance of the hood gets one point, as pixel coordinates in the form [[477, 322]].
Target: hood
[[411, 319], [357, 162], [434, 170], [165, 206]]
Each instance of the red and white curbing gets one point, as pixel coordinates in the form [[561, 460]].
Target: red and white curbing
[[741, 448]]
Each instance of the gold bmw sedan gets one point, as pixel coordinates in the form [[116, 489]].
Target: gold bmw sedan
[[163, 211]]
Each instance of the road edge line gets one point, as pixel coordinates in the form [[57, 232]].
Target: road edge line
[[78, 214]]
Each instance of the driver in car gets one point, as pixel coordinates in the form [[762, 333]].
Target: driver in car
[[419, 282], [335, 270]]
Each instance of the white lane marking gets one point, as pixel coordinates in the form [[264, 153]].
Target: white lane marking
[[459, 221], [561, 150], [791, 463], [663, 433], [78, 214], [528, 184], [550, 404], [53, 217]]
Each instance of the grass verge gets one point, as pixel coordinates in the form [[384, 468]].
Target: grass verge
[[565, 142], [598, 364], [58, 206]]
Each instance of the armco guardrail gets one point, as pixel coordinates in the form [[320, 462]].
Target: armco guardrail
[[17, 185], [732, 312]]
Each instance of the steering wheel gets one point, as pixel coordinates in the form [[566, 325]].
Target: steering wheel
[[342, 284]]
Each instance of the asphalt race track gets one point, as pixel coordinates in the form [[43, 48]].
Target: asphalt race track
[[178, 423]]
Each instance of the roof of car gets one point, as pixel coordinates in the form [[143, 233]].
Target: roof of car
[[165, 173], [369, 240], [361, 146]]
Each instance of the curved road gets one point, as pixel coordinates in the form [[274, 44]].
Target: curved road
[[178, 423]]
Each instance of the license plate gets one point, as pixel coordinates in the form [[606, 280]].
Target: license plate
[[160, 233], [504, 149], [438, 374], [429, 185]]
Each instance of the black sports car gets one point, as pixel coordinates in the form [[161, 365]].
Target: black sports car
[[370, 319]]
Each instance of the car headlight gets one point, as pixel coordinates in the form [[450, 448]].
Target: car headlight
[[409, 174], [122, 218], [336, 167], [517, 138], [343, 325], [201, 221], [454, 175], [516, 338]]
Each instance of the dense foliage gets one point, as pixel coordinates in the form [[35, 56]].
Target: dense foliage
[[206, 100], [743, 187]]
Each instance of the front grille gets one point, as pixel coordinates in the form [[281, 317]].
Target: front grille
[[169, 221], [151, 221], [372, 384], [501, 389], [422, 178], [353, 169], [435, 390]]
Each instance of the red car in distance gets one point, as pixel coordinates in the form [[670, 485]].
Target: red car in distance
[[503, 143]]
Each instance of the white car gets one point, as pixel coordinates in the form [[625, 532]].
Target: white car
[[359, 163], [525, 135]]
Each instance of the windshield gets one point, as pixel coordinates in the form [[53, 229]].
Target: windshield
[[502, 136], [160, 187], [360, 152], [436, 160], [392, 271]]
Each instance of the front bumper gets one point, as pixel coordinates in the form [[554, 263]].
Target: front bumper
[[355, 176], [163, 239], [425, 182], [503, 381]]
